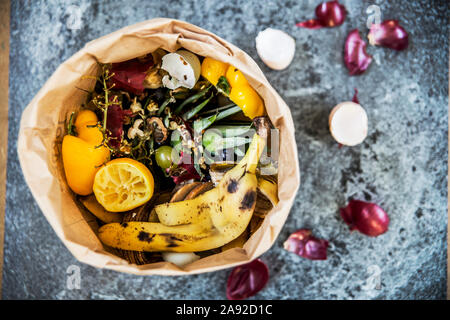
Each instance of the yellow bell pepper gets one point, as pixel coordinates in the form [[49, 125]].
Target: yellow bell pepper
[[248, 100], [241, 92], [235, 77], [213, 69], [81, 156]]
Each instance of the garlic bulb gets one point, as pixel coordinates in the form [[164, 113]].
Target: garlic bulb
[[348, 123], [275, 48], [183, 68]]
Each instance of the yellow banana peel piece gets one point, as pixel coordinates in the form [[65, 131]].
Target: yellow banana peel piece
[[268, 188], [92, 205]]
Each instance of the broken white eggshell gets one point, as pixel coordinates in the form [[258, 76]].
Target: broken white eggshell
[[183, 68], [348, 123], [275, 48], [180, 258]]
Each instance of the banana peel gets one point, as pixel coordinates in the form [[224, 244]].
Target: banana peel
[[92, 205], [269, 188], [209, 221], [238, 242], [143, 213], [267, 198]]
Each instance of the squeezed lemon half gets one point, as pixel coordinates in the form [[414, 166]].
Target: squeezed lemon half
[[123, 184]]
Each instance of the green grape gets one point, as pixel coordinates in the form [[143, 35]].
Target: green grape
[[163, 156]]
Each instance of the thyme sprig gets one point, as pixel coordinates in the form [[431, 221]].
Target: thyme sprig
[[70, 126], [104, 104]]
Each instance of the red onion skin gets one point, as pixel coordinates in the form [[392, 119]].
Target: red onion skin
[[329, 14], [310, 24], [247, 280], [366, 217], [114, 124], [355, 97], [129, 75], [190, 173], [304, 244], [355, 56], [389, 34]]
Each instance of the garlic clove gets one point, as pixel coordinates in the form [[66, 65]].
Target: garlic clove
[[134, 130], [180, 258], [275, 48], [136, 107], [183, 69], [348, 123]]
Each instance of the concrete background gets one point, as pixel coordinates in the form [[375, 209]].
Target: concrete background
[[402, 165]]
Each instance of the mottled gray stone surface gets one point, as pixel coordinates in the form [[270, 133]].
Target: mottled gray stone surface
[[402, 165]]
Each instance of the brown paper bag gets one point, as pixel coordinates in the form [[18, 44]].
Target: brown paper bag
[[43, 127]]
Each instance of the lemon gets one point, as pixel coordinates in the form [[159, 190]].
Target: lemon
[[123, 184]]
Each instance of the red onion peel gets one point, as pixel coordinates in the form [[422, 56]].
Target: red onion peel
[[114, 124], [129, 75], [355, 97], [185, 162], [190, 173], [355, 56], [368, 218], [329, 14], [388, 34], [247, 280], [304, 244]]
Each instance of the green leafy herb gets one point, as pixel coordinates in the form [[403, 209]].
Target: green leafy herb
[[228, 112], [228, 131], [223, 86], [214, 142], [203, 123], [164, 105], [216, 110], [189, 114], [192, 99]]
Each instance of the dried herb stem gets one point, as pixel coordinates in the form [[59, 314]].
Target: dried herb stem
[[70, 127]]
